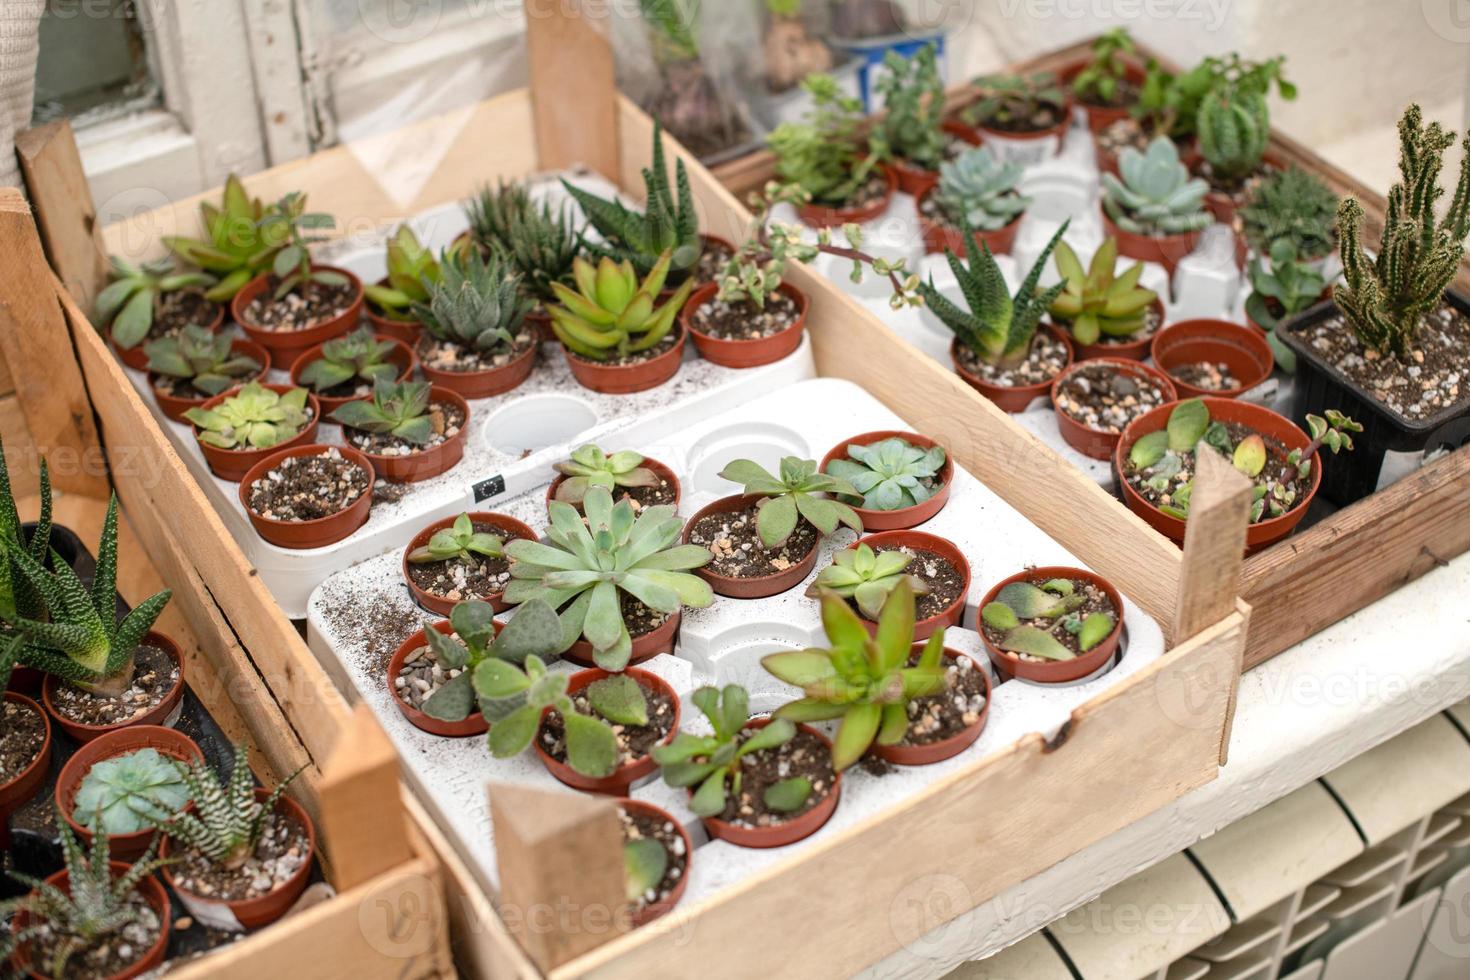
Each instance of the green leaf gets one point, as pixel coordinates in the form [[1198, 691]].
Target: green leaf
[[592, 748], [619, 699], [800, 667], [512, 734], [1187, 424], [452, 702], [474, 621], [1037, 643], [709, 799], [1095, 629], [1250, 456], [856, 733], [998, 615], [645, 861], [497, 679], [135, 320], [534, 631], [776, 519], [1149, 449], [775, 734], [788, 795], [1027, 601]]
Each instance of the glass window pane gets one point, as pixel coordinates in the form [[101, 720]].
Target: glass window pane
[[94, 55]]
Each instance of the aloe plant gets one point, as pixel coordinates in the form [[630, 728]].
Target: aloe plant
[[793, 495], [476, 305], [227, 822], [18, 598], [890, 474], [867, 577]]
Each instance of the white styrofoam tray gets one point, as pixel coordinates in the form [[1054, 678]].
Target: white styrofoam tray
[[721, 644]]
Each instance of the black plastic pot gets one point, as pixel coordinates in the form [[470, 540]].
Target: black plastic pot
[[1321, 386]]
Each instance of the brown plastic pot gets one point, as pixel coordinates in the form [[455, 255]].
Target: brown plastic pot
[[938, 237], [1100, 117], [748, 588], [172, 744], [407, 331], [82, 734], [745, 353], [646, 647], [1059, 671], [668, 475], [402, 356], [1241, 348], [630, 772], [251, 913], [1166, 250], [948, 748], [1135, 350], [904, 517], [153, 893], [624, 379], [136, 357], [173, 407], [233, 464], [512, 530], [1254, 417], [915, 180], [815, 215], [487, 383], [315, 533], [429, 462], [655, 910], [933, 543], [18, 792], [787, 831], [474, 724], [1095, 443], [287, 345], [1011, 399], [1058, 132]]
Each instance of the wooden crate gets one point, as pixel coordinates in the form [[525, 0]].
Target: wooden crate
[[1363, 552], [989, 826]]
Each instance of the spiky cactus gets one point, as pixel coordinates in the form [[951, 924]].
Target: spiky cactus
[[1294, 206], [1234, 127], [982, 189], [1155, 195], [1385, 298]]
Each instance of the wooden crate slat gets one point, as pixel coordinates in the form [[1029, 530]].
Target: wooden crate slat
[[363, 839], [573, 91], [52, 168]]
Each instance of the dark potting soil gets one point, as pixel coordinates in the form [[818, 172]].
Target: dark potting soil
[[1431, 380], [1045, 117], [282, 850], [1153, 319], [154, 675], [634, 741], [1097, 602], [735, 542], [441, 355], [1043, 362], [944, 715], [743, 320], [1123, 133], [712, 261], [641, 826], [1125, 93], [306, 488], [1105, 398], [805, 755], [181, 308], [1206, 375], [447, 420], [873, 190], [1276, 472], [107, 955], [637, 357], [470, 577], [302, 308], [21, 740], [945, 582], [1238, 189]]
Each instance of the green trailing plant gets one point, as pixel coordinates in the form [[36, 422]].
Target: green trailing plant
[[867, 577], [131, 300], [539, 243], [890, 474], [996, 327], [411, 270], [1100, 81], [979, 189], [1017, 103], [610, 313], [301, 229], [458, 542], [1098, 303], [513, 699], [18, 598], [825, 154], [1172, 102], [587, 565], [534, 631], [1386, 297], [255, 417], [205, 360], [1290, 205], [130, 793], [1279, 291], [866, 681], [912, 93], [1155, 194], [94, 906], [477, 305], [237, 247], [227, 821], [590, 467], [357, 356], [1018, 606], [713, 763], [792, 495], [397, 409]]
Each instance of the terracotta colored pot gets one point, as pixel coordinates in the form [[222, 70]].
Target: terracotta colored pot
[[316, 533], [81, 734], [820, 216], [287, 345], [1134, 350], [939, 237], [745, 353], [650, 912], [488, 383], [173, 407], [152, 892], [787, 831], [997, 139], [136, 357], [1255, 417], [430, 462], [1096, 443], [233, 464], [18, 792], [904, 517], [1166, 250], [748, 588], [408, 331], [1010, 399], [646, 647], [474, 724], [668, 475], [511, 529], [1100, 117], [252, 913], [1060, 671], [921, 541], [915, 180], [1243, 349], [402, 355], [627, 774], [624, 379], [948, 748], [168, 743]]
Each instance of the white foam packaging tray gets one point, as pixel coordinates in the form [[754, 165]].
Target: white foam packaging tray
[[723, 644]]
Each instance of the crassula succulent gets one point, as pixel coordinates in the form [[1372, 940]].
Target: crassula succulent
[[610, 313], [1097, 303]]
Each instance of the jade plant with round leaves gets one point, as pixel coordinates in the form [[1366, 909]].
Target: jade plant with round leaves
[[459, 542], [890, 473], [534, 631], [866, 681], [590, 467], [588, 564], [867, 577], [793, 495], [1057, 601]]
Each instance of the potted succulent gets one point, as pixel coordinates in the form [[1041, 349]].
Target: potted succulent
[[616, 580], [977, 189], [1155, 460], [459, 558], [902, 479], [911, 137], [656, 855], [1212, 357], [126, 784], [94, 918], [476, 340], [19, 600], [345, 369], [239, 245], [187, 370], [538, 242], [1022, 118], [239, 428], [828, 157], [25, 749], [646, 482], [904, 702], [764, 782], [1096, 400], [1279, 292], [1109, 83], [408, 430], [153, 301], [242, 855], [1105, 314], [1233, 129], [997, 347], [298, 304], [764, 540], [1051, 625], [390, 300], [867, 571], [308, 496], [1294, 206], [1152, 207], [1390, 348], [683, 94]]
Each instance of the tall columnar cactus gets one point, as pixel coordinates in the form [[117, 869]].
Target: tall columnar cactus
[[1385, 298], [1234, 127], [1155, 195]]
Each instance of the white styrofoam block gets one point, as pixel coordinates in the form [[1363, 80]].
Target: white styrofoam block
[[1207, 282]]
